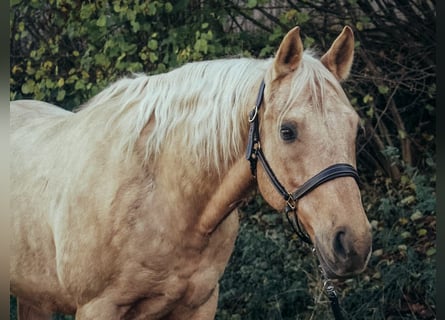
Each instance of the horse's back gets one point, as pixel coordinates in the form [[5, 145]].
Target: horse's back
[[25, 111], [35, 128]]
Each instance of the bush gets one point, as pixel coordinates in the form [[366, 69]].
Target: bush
[[267, 275], [273, 275]]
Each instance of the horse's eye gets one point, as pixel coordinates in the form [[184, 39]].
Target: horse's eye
[[288, 132]]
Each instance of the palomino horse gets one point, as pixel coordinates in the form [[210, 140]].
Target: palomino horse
[[126, 208]]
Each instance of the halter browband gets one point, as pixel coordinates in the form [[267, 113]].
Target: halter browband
[[254, 152]]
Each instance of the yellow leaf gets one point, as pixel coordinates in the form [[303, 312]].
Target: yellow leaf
[[431, 251], [16, 69], [47, 65], [408, 200], [85, 74], [416, 215]]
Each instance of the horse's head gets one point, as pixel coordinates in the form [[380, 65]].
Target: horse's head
[[307, 124]]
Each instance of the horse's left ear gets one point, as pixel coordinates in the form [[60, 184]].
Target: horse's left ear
[[289, 54], [338, 59]]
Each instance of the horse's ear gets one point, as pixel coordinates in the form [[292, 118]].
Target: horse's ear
[[338, 59], [289, 54]]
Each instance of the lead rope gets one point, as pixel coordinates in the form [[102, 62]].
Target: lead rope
[[329, 290], [328, 285]]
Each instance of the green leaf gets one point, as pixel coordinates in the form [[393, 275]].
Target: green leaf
[[151, 9], [79, 85], [116, 7], [102, 60], [416, 215], [21, 26], [131, 15], [251, 4], [49, 83], [368, 98], [28, 86], [135, 26], [431, 251], [153, 57], [201, 45], [168, 7], [61, 95], [13, 3], [86, 11], [102, 21], [152, 44], [290, 15], [405, 234], [383, 89]]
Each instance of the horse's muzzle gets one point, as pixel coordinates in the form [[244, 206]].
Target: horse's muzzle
[[347, 253]]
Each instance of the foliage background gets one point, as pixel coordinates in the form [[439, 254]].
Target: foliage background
[[66, 51]]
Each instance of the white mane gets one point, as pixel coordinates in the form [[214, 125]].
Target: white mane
[[197, 108]]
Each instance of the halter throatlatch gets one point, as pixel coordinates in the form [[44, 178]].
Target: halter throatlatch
[[255, 153]]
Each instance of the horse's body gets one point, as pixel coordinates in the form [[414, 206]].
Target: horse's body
[[126, 208]]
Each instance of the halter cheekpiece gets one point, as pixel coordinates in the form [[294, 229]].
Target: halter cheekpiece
[[255, 153]]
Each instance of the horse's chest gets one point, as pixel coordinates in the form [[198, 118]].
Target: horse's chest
[[191, 278], [208, 265]]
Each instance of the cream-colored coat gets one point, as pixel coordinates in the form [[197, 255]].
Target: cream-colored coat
[[125, 209]]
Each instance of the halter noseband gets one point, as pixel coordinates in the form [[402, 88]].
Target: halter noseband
[[254, 152]]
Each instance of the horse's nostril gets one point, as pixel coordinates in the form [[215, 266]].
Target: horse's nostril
[[340, 245]]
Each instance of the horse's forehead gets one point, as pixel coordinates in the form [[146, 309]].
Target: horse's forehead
[[315, 100], [306, 84]]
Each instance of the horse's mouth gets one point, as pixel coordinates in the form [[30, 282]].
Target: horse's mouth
[[326, 268], [336, 269]]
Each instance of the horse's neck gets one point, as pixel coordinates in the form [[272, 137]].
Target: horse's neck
[[208, 193], [207, 197]]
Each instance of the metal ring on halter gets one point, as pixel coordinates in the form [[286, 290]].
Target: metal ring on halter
[[254, 115], [291, 202], [329, 290]]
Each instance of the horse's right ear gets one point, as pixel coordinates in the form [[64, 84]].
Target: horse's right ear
[[338, 59], [289, 54]]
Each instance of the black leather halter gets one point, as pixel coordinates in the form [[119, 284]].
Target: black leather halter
[[254, 152]]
